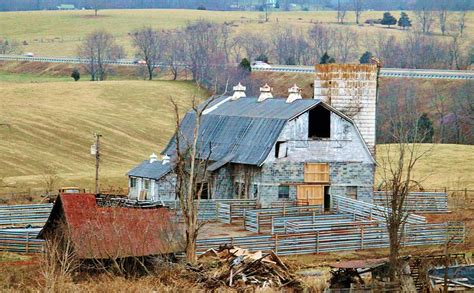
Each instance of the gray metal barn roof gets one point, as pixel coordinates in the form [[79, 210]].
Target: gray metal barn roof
[[154, 170], [242, 131]]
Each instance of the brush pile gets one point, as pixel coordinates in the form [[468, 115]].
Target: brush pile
[[238, 268]]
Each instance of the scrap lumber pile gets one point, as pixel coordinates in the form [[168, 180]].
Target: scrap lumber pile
[[238, 268]]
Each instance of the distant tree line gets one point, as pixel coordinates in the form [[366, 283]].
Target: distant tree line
[[341, 5]]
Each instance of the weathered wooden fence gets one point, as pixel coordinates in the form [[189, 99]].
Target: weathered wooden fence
[[280, 224], [339, 240], [260, 220], [363, 210], [209, 208], [21, 215], [21, 240], [229, 212], [418, 202]]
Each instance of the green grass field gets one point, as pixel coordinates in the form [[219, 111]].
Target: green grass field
[[58, 33], [52, 124]]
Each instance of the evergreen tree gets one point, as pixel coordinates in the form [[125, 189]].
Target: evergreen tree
[[365, 58], [76, 74], [326, 59], [388, 19], [404, 21], [245, 65], [425, 128]]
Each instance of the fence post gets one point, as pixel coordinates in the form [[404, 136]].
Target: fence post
[[361, 237], [314, 216], [284, 210], [27, 241], [276, 244], [244, 219], [317, 241], [272, 226], [258, 223], [230, 213]]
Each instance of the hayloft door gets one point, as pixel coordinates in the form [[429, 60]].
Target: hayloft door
[[316, 182]]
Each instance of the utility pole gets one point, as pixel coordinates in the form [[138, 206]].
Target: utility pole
[[97, 161]]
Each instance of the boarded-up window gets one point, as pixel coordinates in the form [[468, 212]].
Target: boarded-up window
[[316, 172], [313, 194], [351, 192]]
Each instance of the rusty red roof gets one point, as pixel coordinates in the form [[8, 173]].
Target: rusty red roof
[[113, 232]]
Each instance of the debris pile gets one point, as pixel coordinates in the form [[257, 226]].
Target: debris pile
[[238, 268]]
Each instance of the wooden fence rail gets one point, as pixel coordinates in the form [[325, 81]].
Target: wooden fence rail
[[229, 212], [363, 210], [21, 240], [260, 220], [418, 202], [21, 215], [353, 238]]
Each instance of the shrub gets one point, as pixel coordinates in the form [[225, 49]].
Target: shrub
[[76, 74]]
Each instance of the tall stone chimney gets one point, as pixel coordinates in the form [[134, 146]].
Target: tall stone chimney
[[351, 89]]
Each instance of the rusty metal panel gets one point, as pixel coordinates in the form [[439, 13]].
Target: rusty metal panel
[[114, 232]]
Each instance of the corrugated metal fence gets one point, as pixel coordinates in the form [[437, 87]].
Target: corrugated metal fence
[[418, 202]]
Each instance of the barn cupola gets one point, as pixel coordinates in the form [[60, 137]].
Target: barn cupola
[[153, 158], [239, 92], [265, 93], [294, 94], [165, 159]]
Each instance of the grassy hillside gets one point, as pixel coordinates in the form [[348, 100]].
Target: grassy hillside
[[57, 33], [444, 165], [52, 125]]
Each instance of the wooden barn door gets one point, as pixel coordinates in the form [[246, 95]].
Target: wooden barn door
[[318, 175], [313, 194]]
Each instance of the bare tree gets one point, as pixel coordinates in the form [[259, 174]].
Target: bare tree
[[345, 45], [321, 39], [341, 9], [442, 11], [397, 175], [463, 18], [150, 45], [205, 51], [190, 171], [98, 49], [252, 44], [174, 52], [9, 47], [358, 6], [424, 14]]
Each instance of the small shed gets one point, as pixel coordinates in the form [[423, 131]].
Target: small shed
[[111, 232]]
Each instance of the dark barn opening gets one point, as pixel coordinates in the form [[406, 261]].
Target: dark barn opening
[[319, 124]]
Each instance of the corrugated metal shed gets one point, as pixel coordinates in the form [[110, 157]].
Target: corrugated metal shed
[[154, 170], [111, 232], [244, 130]]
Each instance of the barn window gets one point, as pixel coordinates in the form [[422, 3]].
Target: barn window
[[319, 123], [205, 190], [351, 192], [146, 184], [283, 191], [281, 149], [133, 182]]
